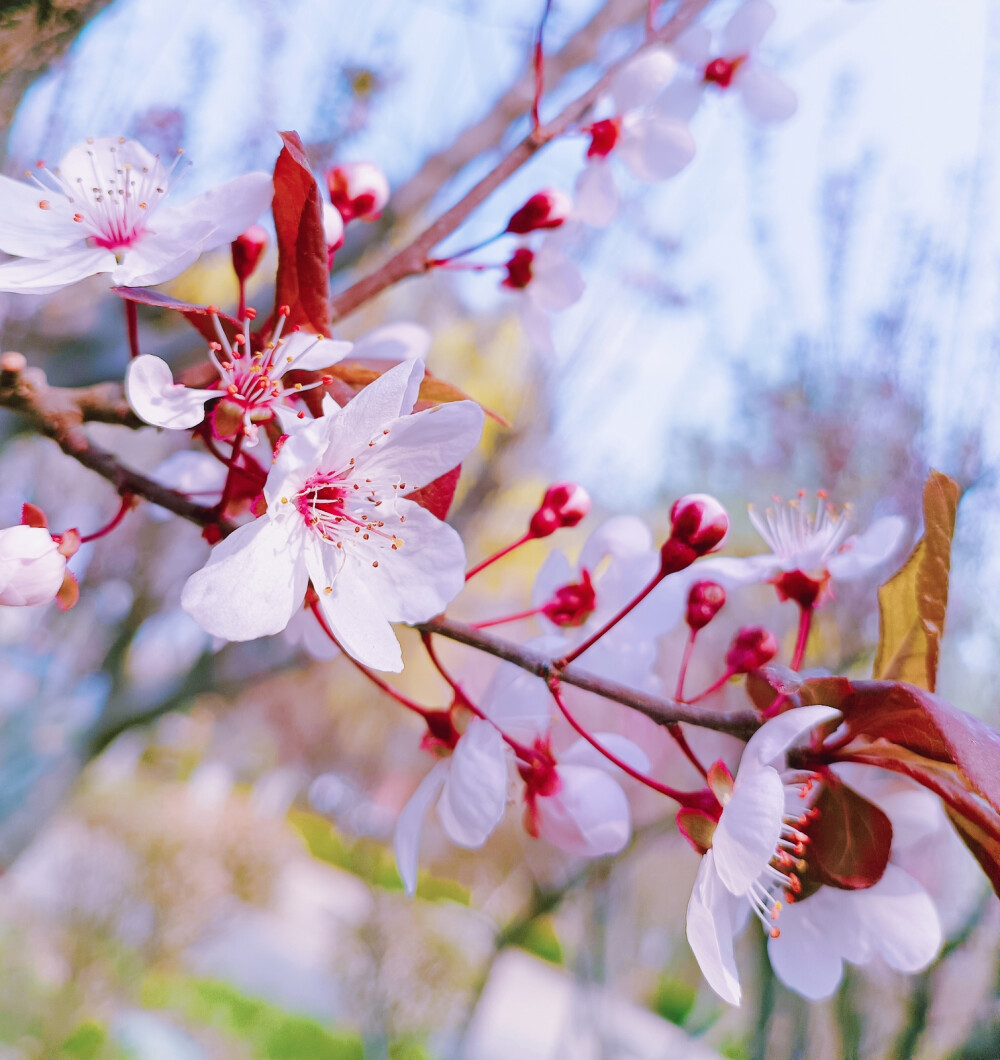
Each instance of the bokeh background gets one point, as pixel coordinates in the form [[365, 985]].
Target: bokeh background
[[812, 305]]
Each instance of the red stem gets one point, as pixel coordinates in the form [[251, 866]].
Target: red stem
[[132, 323], [498, 555], [539, 67], [712, 688], [685, 660], [683, 797], [242, 307], [227, 489], [507, 618], [123, 510], [650, 13], [371, 675], [592, 640], [805, 624]]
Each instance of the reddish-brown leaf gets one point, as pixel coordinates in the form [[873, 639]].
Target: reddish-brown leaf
[[849, 841], [437, 496], [982, 842], [303, 279], [912, 603], [197, 316]]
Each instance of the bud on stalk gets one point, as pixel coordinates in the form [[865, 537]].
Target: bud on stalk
[[705, 600], [359, 190], [751, 648], [564, 504], [247, 250], [545, 209]]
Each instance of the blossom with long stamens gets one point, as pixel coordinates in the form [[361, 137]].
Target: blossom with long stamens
[[338, 515], [753, 848], [103, 210], [249, 391]]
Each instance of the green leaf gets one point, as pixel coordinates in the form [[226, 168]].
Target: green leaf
[[538, 936], [913, 602], [673, 999], [85, 1042]]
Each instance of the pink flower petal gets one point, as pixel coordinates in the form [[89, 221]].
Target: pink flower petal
[[27, 276], [406, 843], [157, 399], [712, 916], [746, 29], [764, 95], [596, 195]]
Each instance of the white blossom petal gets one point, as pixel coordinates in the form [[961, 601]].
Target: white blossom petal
[[595, 198], [252, 583], [583, 753], [712, 915], [26, 276], [222, 213], [475, 794], [157, 399], [861, 553], [802, 956], [406, 843], [774, 737], [537, 329], [899, 918], [746, 29], [29, 231], [643, 78], [747, 833], [556, 281], [519, 703], [393, 342], [656, 147], [680, 99], [694, 45], [764, 95], [589, 815]]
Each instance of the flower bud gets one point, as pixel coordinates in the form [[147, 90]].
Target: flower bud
[[752, 647], [519, 269], [32, 568], [545, 209], [572, 604], [700, 522], [359, 190], [704, 602], [564, 504], [603, 137], [333, 228], [247, 250]]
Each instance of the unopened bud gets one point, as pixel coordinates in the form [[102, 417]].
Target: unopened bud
[[519, 269], [333, 228], [704, 602], [545, 209], [571, 605], [603, 137], [247, 250], [752, 647], [700, 522], [564, 504], [359, 190]]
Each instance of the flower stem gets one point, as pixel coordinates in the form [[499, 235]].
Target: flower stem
[[685, 798], [497, 555], [507, 618], [123, 510], [805, 624], [242, 307], [714, 687], [594, 638], [370, 674], [685, 661], [132, 323], [227, 488], [539, 67]]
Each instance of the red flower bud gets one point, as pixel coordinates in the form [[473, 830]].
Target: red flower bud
[[603, 137], [247, 251], [519, 270], [359, 190], [572, 604], [752, 647], [704, 602], [545, 209], [700, 522], [564, 504]]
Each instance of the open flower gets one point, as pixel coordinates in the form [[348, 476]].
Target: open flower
[[470, 786], [729, 64], [102, 211], [337, 514], [751, 851], [249, 385], [651, 140], [545, 282], [32, 568]]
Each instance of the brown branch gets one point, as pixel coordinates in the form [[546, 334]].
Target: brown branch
[[412, 259], [662, 711], [60, 413]]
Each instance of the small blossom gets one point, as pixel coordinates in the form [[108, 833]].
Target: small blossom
[[247, 250], [544, 282], [359, 191], [337, 514], [249, 391], [32, 567], [752, 648], [102, 210], [705, 600], [564, 504]]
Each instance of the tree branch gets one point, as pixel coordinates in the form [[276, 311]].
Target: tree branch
[[60, 413], [412, 259]]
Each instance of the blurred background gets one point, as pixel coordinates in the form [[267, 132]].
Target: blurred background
[[197, 842]]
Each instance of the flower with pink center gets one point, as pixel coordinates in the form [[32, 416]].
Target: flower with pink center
[[544, 282], [470, 786], [103, 210], [752, 849], [730, 65], [249, 391], [653, 143], [338, 515]]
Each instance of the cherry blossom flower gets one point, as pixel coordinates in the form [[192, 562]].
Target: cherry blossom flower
[[545, 282], [651, 140], [337, 514], [358, 190], [249, 385], [751, 850], [470, 786], [730, 65], [33, 567], [102, 210]]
